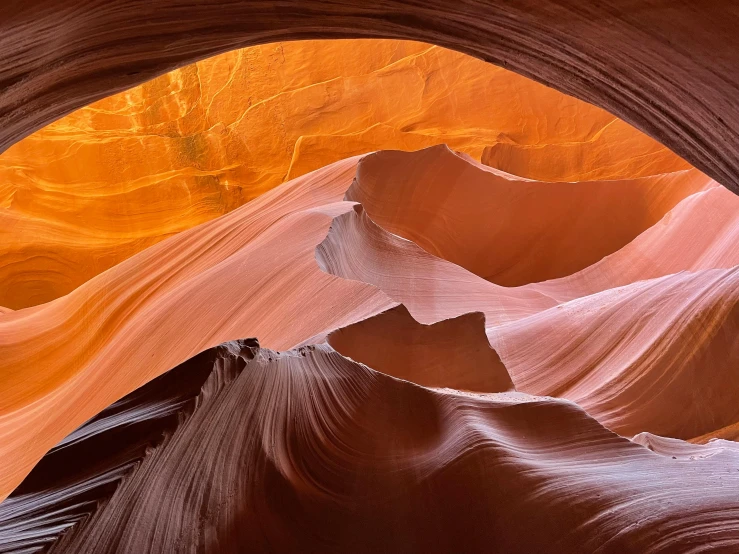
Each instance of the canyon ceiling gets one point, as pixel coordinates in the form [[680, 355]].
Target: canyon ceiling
[[667, 67]]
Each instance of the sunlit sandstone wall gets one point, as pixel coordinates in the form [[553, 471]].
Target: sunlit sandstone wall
[[105, 182]]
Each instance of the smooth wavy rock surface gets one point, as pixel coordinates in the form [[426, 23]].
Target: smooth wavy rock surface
[[701, 232], [307, 450], [593, 272], [251, 272], [654, 355], [657, 355], [117, 176], [453, 353], [614, 152], [506, 229], [240, 274], [431, 288], [683, 450], [729, 433]]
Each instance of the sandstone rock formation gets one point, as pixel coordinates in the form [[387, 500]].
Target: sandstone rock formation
[[452, 353], [244, 448], [115, 177], [431, 288], [506, 229], [657, 355], [645, 339], [668, 68], [488, 317], [281, 255], [613, 153], [204, 286]]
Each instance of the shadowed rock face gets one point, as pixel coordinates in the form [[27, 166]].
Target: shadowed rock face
[[61, 491], [452, 353], [243, 448], [508, 230], [667, 67]]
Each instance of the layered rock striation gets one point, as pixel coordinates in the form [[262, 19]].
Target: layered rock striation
[[246, 448], [667, 68], [117, 176], [512, 326]]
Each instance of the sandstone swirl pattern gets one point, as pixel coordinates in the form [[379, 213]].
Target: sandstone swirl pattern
[[308, 451], [115, 177], [238, 444], [508, 325]]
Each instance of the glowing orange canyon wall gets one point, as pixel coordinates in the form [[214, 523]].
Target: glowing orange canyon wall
[[115, 177]]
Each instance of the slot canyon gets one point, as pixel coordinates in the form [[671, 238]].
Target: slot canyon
[[411, 277]]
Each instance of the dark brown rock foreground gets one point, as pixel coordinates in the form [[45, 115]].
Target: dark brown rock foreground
[[243, 449], [669, 67]]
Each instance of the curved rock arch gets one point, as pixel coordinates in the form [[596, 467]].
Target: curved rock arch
[[669, 67]]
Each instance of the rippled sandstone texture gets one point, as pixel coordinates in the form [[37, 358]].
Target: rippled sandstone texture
[[231, 277], [230, 456], [243, 448], [291, 267], [643, 338], [111, 179]]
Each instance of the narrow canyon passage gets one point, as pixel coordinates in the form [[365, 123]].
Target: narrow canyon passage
[[361, 296]]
